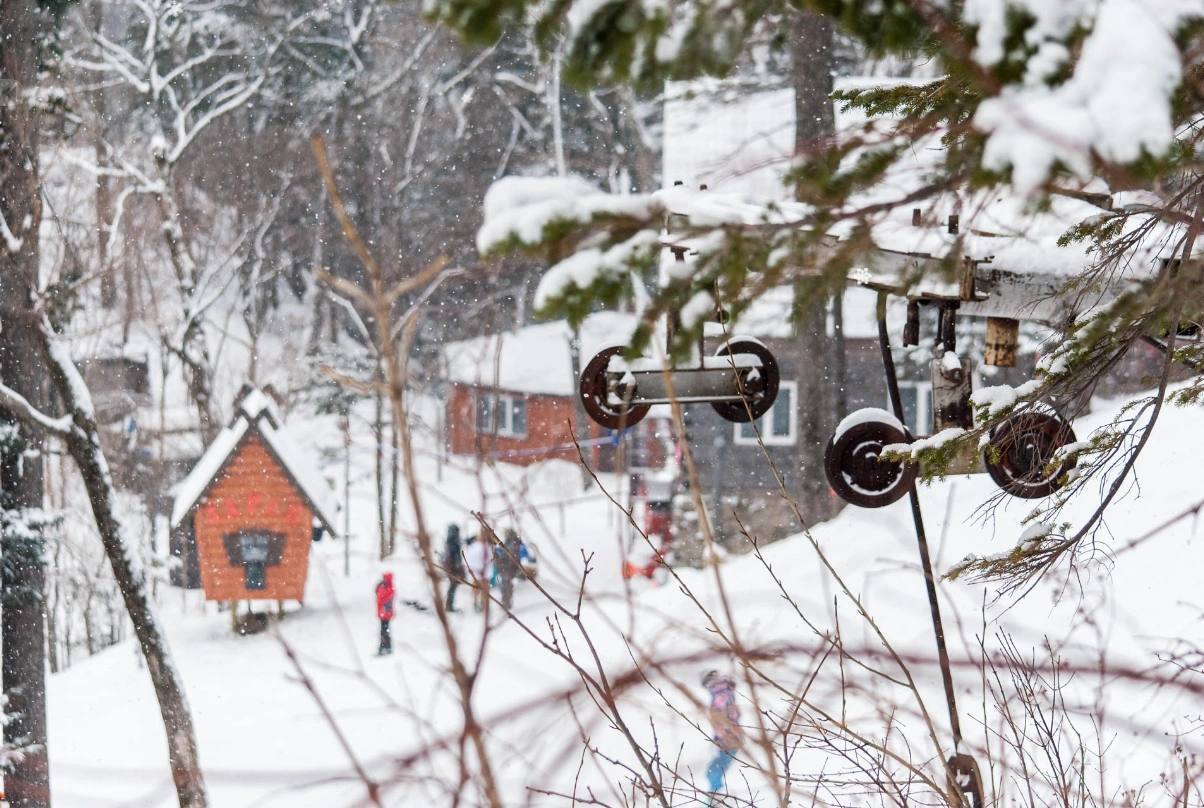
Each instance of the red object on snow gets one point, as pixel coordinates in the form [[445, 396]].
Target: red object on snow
[[658, 519], [634, 570], [384, 597]]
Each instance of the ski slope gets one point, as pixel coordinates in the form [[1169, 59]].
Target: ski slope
[[267, 741]]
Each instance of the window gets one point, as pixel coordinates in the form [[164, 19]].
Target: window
[[254, 550], [502, 415], [254, 547], [917, 406], [777, 427]]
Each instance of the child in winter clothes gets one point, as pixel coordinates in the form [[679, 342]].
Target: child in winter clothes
[[725, 720], [478, 557], [453, 564], [507, 561], [385, 595]]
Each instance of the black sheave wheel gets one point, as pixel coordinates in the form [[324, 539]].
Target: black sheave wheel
[[1020, 450], [855, 467], [759, 386], [595, 394]]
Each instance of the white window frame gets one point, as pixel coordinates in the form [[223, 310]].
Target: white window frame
[[501, 415], [923, 390], [765, 422]]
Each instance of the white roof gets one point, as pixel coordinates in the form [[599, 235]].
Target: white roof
[[535, 358], [769, 316], [256, 413], [740, 141]]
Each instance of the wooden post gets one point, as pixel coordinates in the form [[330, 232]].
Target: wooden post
[[234, 616], [1003, 335], [966, 286]]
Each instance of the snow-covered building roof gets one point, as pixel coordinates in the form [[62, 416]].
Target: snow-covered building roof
[[737, 141], [769, 316], [256, 415], [537, 359]]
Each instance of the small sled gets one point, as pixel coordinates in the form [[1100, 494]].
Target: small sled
[[1020, 452]]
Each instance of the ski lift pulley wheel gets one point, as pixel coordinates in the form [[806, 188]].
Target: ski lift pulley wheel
[[595, 394], [759, 386], [856, 470], [966, 780], [1020, 450]]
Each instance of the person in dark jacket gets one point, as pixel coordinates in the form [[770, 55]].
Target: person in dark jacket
[[453, 564], [385, 594], [509, 556]]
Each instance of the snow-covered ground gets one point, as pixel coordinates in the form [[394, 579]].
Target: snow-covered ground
[[266, 742]]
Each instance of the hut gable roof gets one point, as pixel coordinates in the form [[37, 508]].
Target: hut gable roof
[[256, 415]]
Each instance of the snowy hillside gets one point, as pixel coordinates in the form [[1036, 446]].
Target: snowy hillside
[[265, 740]]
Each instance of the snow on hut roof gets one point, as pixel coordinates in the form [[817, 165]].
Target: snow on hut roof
[[255, 403], [256, 414]]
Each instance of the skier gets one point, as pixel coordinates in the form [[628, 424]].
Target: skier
[[528, 563], [725, 718], [384, 612], [509, 556], [478, 557], [453, 564]]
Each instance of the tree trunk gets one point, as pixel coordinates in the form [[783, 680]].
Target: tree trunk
[[192, 349], [104, 190], [83, 443], [811, 51], [378, 434], [23, 26], [394, 463]]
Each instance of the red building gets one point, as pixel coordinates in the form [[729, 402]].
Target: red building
[[512, 397], [245, 516]]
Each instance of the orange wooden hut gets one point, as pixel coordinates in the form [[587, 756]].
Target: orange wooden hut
[[245, 516]]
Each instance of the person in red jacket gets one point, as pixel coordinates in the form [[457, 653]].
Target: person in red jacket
[[384, 612]]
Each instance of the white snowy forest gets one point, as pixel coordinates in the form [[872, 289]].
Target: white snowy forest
[[601, 403]]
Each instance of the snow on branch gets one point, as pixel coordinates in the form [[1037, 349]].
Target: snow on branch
[[1117, 102], [588, 267], [528, 211], [519, 210], [11, 241], [20, 406]]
